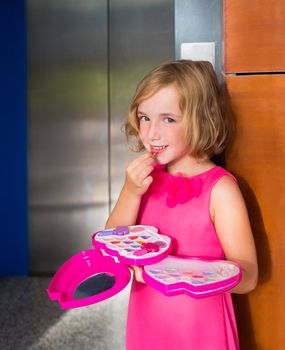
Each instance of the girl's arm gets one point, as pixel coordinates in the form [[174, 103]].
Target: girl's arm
[[230, 217], [137, 182]]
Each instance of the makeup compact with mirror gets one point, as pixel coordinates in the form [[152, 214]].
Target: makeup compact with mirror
[[97, 274]]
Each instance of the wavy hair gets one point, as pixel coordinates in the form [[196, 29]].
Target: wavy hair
[[206, 125]]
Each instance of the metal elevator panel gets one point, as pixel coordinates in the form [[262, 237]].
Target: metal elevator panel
[[199, 22], [142, 36], [84, 61], [68, 128]]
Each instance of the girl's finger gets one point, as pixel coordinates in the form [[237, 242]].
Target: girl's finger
[[140, 167], [138, 274], [148, 180], [139, 160], [144, 173]]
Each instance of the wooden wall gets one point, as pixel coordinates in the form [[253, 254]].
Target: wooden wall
[[254, 38]]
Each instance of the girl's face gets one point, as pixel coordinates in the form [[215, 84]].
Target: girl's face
[[161, 130]]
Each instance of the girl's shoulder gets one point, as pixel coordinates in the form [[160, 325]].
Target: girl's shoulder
[[222, 180], [225, 187], [222, 176], [224, 193]]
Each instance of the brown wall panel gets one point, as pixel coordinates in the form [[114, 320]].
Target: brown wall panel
[[254, 35], [257, 158]]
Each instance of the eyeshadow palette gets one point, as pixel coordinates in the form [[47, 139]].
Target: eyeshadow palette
[[192, 276], [133, 245], [90, 276]]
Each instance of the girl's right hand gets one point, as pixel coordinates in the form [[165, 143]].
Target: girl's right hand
[[138, 177]]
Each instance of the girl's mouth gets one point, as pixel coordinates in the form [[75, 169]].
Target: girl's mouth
[[155, 150]]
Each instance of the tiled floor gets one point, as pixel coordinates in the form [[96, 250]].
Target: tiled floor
[[30, 321]]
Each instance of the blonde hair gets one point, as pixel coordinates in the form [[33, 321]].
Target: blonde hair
[[205, 123]]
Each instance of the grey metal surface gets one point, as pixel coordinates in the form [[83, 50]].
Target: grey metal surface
[[84, 59], [68, 127], [141, 37], [199, 21], [80, 81]]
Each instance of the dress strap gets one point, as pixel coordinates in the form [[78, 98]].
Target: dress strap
[[218, 174]]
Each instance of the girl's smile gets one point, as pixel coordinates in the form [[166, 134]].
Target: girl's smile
[[161, 130], [156, 150]]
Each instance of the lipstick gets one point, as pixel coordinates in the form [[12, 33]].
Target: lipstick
[[154, 154]]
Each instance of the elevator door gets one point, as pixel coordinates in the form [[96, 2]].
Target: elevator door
[[141, 36], [68, 127], [84, 59]]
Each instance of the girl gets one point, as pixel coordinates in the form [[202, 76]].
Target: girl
[[176, 116]]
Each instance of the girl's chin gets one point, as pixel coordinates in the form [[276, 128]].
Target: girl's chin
[[157, 161], [160, 160]]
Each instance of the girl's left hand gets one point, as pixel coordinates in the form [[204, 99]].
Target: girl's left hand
[[138, 274]]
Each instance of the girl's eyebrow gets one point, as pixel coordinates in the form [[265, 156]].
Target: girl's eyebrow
[[162, 114], [140, 112], [172, 114]]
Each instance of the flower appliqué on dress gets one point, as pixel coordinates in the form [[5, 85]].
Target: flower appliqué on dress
[[178, 188]]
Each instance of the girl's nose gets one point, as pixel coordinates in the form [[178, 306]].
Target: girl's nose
[[153, 132]]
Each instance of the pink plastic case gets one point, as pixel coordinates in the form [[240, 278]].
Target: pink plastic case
[[78, 270], [90, 276], [133, 245], [97, 274], [195, 277]]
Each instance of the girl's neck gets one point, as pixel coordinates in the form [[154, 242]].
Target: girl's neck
[[190, 166]]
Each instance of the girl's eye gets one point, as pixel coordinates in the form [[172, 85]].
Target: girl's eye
[[143, 118], [169, 120]]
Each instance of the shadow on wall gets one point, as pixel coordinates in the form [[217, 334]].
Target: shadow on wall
[[242, 301]]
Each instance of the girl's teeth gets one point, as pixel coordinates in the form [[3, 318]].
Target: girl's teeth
[[155, 150], [158, 148]]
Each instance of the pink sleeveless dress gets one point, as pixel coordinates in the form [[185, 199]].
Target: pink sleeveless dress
[[179, 207]]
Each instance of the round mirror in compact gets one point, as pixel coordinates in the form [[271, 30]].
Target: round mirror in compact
[[94, 285], [87, 278]]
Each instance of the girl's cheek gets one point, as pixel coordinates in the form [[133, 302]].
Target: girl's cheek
[[143, 127], [142, 138], [143, 132]]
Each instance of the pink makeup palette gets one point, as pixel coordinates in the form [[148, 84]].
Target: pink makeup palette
[[97, 274], [133, 245], [195, 277]]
